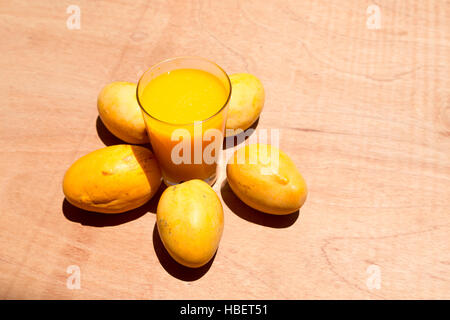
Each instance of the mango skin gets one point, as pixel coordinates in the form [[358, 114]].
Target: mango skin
[[190, 220], [246, 102], [113, 179], [252, 175], [120, 112]]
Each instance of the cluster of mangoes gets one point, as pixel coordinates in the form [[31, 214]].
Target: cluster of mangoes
[[190, 221]]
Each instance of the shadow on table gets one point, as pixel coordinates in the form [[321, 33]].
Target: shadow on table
[[109, 139], [247, 213], [96, 219], [174, 268], [232, 141], [105, 135]]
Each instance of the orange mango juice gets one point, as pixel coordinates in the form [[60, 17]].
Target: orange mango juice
[[181, 106]]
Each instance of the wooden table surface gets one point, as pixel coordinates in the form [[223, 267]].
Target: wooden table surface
[[363, 112]]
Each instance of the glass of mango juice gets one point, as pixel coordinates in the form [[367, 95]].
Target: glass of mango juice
[[184, 102]]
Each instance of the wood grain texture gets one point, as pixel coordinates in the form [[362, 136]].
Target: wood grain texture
[[365, 115]]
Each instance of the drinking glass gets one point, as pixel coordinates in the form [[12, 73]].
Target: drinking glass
[[204, 138]]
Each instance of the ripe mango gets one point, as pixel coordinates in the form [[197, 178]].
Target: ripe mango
[[189, 218], [246, 102], [113, 179], [120, 112], [266, 179]]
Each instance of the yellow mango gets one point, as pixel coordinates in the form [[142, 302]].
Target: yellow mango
[[120, 112], [246, 102], [113, 179], [266, 179], [190, 222]]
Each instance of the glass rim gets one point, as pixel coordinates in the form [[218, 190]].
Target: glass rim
[[178, 58]]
